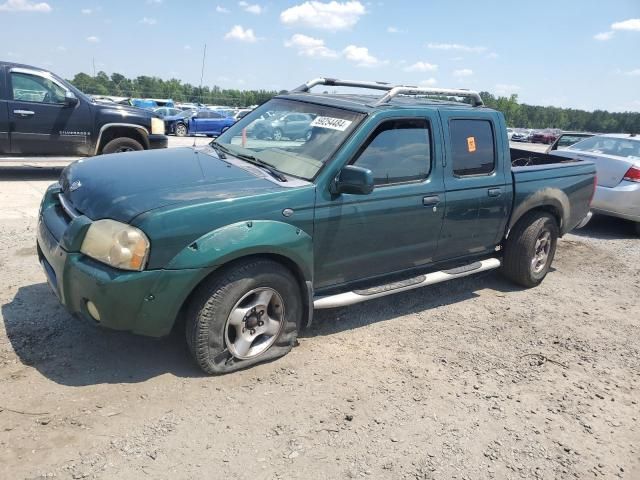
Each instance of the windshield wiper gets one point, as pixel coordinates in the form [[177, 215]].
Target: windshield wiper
[[220, 149]]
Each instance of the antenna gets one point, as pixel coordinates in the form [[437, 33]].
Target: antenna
[[204, 55]]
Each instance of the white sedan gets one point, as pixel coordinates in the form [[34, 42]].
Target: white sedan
[[617, 159]]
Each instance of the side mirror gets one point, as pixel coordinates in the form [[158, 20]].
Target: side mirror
[[353, 180], [70, 100]]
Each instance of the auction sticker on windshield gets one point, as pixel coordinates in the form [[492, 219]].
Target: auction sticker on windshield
[[331, 123]]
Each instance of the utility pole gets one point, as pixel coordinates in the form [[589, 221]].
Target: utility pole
[[204, 54], [93, 59]]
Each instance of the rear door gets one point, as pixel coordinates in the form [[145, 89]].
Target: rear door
[[40, 121], [477, 191], [5, 146]]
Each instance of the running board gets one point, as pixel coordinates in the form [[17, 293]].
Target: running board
[[357, 296]]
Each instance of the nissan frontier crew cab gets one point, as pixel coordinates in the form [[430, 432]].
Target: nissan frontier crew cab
[[243, 239], [43, 115]]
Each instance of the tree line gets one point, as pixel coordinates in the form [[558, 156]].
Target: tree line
[[517, 114]]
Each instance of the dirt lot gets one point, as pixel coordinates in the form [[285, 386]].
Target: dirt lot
[[474, 379]]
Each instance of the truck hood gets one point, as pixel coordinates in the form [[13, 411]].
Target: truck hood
[[121, 186]]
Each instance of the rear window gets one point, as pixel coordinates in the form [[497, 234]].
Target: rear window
[[472, 147]]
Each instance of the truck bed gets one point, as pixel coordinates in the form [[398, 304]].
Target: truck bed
[[568, 182]]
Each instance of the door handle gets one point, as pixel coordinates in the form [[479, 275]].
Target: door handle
[[494, 192], [430, 201], [24, 113]]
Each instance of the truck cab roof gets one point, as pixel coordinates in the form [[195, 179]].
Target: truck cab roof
[[396, 96]]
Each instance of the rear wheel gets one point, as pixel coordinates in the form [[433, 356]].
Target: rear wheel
[[181, 130], [122, 144], [530, 249], [638, 228], [247, 314], [277, 134]]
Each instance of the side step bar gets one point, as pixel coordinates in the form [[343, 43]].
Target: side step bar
[[351, 298]]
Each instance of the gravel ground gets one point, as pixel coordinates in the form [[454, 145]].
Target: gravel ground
[[473, 379]]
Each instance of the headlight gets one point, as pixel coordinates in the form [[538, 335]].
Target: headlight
[[116, 244], [157, 126]]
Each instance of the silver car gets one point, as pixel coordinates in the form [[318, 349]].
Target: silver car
[[617, 159]]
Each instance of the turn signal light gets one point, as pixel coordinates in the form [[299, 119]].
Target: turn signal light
[[633, 174]]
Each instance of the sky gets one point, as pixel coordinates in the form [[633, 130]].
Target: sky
[[568, 53]]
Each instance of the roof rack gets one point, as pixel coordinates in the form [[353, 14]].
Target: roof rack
[[392, 90]]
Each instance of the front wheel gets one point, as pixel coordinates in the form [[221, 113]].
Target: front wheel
[[277, 134], [122, 144], [181, 130], [638, 228], [247, 314], [530, 249]]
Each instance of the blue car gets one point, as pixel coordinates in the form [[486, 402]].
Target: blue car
[[178, 124], [209, 122]]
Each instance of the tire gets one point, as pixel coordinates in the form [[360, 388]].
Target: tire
[[530, 249], [308, 135], [210, 135], [122, 144], [638, 228], [214, 342], [224, 130], [181, 130], [277, 134]]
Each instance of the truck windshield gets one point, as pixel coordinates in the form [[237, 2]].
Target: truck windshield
[[296, 138]]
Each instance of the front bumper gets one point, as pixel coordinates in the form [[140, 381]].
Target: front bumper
[[146, 302], [158, 141], [621, 201]]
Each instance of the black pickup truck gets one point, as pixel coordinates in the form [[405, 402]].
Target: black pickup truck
[[43, 115]]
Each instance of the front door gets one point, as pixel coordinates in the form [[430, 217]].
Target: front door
[[478, 194], [40, 121], [5, 146], [394, 228]]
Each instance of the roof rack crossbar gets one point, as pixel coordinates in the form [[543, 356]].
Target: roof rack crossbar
[[392, 90]]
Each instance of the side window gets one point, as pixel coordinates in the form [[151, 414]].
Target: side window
[[472, 147], [32, 88], [398, 151], [203, 114], [215, 115]]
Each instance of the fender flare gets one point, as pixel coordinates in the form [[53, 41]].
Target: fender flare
[[251, 237], [552, 199]]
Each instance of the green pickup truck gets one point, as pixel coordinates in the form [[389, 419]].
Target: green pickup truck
[[242, 239]]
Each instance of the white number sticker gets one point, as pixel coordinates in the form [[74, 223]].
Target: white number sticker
[[331, 123]]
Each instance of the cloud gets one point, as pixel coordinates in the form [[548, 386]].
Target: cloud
[[463, 72], [633, 24], [220, 9], [421, 67], [187, 47], [240, 34], [361, 56], [86, 11], [604, 36], [61, 48], [633, 73], [24, 6], [310, 47], [93, 39], [504, 89], [393, 30], [429, 82], [148, 21], [456, 47], [255, 9], [151, 2], [492, 55], [328, 16]]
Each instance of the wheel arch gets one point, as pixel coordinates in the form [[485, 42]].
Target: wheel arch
[[219, 250], [552, 201], [110, 131]]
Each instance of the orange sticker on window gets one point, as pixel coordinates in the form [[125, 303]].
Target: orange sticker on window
[[471, 144]]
